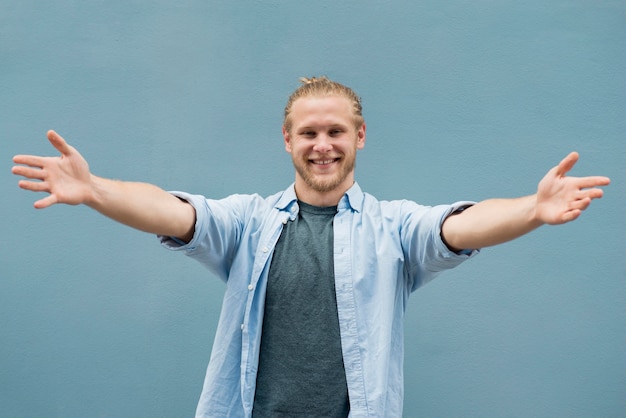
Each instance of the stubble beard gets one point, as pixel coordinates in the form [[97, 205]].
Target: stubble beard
[[320, 184]]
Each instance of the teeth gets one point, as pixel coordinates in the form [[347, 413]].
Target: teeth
[[323, 162]]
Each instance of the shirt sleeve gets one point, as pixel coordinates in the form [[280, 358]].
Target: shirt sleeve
[[175, 244], [217, 231], [426, 253], [459, 210]]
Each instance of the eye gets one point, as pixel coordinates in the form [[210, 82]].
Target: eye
[[308, 134], [335, 132]]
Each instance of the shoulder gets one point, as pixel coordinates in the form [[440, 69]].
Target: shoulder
[[397, 207]]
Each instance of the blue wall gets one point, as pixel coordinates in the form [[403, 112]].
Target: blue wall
[[463, 100]]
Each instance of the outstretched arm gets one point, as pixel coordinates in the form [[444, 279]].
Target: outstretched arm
[[68, 180], [559, 199]]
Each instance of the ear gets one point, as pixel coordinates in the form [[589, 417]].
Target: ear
[[287, 139], [360, 137]]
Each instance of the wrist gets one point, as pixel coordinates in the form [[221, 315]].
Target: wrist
[[96, 191]]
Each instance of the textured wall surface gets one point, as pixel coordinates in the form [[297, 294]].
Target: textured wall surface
[[463, 100]]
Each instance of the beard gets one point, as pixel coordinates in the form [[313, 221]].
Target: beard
[[323, 183]]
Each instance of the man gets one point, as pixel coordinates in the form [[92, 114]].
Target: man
[[317, 276]]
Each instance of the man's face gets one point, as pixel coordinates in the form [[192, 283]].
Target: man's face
[[323, 142]]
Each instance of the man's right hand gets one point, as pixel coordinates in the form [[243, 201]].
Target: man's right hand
[[68, 180], [65, 177]]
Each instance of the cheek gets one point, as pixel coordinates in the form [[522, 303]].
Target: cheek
[[300, 148]]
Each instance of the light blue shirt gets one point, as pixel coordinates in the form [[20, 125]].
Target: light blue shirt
[[383, 251]]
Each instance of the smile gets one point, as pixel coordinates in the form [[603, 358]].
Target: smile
[[324, 162]]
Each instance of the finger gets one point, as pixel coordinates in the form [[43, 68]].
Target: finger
[[45, 202], [571, 215], [31, 173], [59, 143], [593, 181], [581, 204], [593, 193], [33, 186], [587, 194], [567, 163], [31, 160]]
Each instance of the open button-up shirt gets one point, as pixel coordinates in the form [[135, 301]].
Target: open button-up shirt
[[383, 251]]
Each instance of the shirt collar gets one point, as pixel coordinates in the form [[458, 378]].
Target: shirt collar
[[287, 199], [352, 199]]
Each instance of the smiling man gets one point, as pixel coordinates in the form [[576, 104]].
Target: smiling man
[[318, 275]]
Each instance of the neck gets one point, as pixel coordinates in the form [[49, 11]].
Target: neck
[[321, 199]]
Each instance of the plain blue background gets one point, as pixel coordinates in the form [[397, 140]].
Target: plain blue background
[[463, 100]]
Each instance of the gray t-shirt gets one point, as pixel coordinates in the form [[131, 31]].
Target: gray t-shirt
[[301, 371]]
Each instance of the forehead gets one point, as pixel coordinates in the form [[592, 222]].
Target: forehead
[[321, 111]]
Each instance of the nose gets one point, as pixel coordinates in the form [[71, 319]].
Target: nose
[[322, 144]]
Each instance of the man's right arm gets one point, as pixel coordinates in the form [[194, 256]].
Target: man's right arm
[[68, 180]]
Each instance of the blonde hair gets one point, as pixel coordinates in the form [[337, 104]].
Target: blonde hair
[[323, 87]]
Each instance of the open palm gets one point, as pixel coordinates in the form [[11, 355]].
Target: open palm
[[66, 177], [561, 198]]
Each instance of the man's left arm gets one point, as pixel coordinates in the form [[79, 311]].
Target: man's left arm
[[559, 199]]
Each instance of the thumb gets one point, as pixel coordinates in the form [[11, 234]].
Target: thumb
[[59, 143], [567, 163]]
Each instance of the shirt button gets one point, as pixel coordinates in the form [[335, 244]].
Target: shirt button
[[264, 249], [285, 222], [242, 327], [250, 287]]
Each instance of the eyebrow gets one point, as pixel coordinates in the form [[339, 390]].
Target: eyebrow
[[332, 126]]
